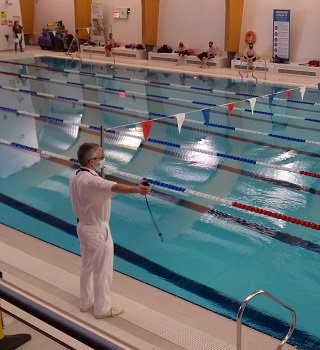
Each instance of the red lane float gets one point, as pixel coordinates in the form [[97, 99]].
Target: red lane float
[[276, 215], [308, 173]]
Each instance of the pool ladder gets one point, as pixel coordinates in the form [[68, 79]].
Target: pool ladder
[[245, 303], [254, 68]]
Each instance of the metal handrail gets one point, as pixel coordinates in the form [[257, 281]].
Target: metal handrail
[[265, 69], [245, 303], [247, 68], [60, 321], [86, 44]]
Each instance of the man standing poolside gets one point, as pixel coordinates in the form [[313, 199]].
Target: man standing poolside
[[91, 202]]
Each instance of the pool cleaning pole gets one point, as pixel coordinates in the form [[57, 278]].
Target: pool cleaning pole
[[102, 146], [112, 47]]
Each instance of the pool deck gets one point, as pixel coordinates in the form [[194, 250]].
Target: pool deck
[[153, 319]]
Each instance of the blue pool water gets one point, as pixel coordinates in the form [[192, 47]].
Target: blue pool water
[[214, 253]]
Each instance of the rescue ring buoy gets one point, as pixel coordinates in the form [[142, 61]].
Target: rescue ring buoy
[[250, 37]]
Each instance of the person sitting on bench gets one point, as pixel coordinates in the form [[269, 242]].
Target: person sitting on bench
[[250, 55], [206, 55], [111, 43], [182, 51]]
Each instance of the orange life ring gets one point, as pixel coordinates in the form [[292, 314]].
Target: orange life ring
[[250, 37]]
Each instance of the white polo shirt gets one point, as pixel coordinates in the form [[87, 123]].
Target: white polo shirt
[[90, 196]]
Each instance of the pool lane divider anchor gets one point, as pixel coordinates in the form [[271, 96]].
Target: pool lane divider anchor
[[174, 188]]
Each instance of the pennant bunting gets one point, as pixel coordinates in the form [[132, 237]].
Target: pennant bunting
[[302, 91], [77, 30], [146, 127], [206, 116], [288, 93], [88, 30], [180, 119], [230, 108], [54, 32], [7, 37], [252, 103], [19, 36]]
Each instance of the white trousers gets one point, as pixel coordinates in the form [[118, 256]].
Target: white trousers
[[96, 247]]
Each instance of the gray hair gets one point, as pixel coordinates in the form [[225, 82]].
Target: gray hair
[[86, 152]]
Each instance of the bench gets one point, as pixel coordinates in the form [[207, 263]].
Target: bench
[[117, 51], [218, 61], [278, 68]]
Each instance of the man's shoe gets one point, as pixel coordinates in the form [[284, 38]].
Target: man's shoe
[[86, 309], [114, 311]]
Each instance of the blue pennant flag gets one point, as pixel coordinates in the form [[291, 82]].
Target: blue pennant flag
[[206, 115]]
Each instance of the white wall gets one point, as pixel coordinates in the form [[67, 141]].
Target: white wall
[[127, 30], [49, 11], [195, 23], [304, 25], [10, 11]]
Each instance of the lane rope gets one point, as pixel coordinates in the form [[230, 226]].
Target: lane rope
[[108, 76], [112, 170], [165, 143], [151, 114]]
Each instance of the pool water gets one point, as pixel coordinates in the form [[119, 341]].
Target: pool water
[[214, 253]]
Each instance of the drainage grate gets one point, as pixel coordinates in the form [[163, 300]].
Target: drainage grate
[[124, 54], [166, 59], [211, 64], [297, 72]]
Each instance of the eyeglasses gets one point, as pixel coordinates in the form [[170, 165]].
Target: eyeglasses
[[98, 158]]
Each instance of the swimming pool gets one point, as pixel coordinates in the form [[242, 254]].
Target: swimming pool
[[228, 190]]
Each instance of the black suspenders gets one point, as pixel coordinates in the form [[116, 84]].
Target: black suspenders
[[84, 169]]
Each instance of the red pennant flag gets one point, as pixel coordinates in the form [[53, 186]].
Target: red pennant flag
[[146, 127], [230, 108], [288, 93], [122, 94]]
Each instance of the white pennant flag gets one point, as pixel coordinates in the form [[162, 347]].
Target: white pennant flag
[[180, 119], [252, 103], [19, 36], [302, 90], [54, 32], [88, 30]]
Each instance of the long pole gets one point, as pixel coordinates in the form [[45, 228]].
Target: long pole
[[102, 146], [112, 47]]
